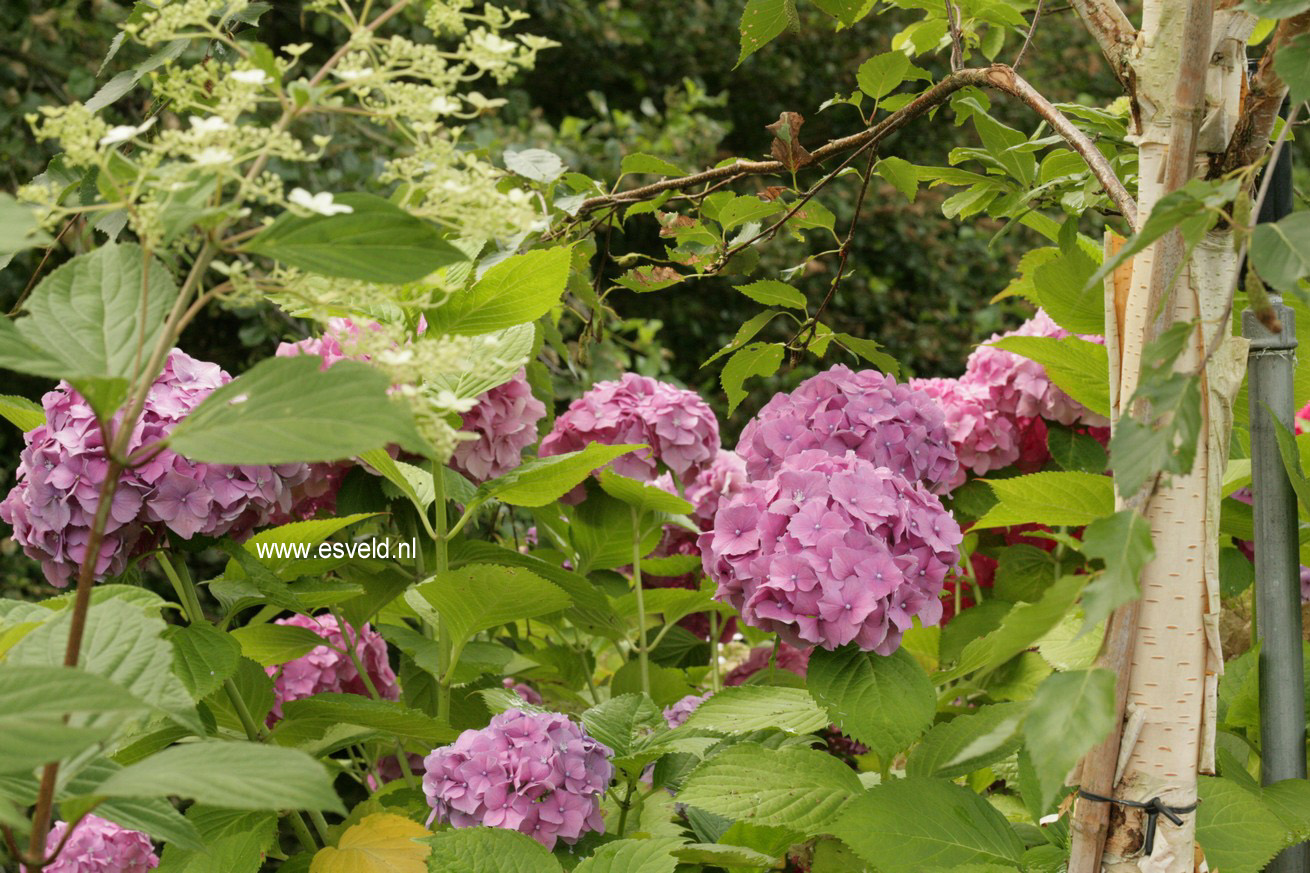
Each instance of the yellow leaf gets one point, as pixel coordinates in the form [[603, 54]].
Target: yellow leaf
[[380, 843]]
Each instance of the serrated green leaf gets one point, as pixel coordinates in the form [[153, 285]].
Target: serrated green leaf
[[620, 721], [1079, 367], [901, 174], [771, 292], [541, 480], [870, 351], [203, 657], [1123, 542], [21, 412], [488, 850], [1062, 289], [1237, 831], [1280, 251], [643, 163], [882, 74], [633, 856], [519, 289], [746, 708], [271, 644], [385, 716], [756, 359], [1020, 628], [1292, 63], [968, 742], [762, 22], [1072, 499], [642, 496], [1070, 713], [884, 702]]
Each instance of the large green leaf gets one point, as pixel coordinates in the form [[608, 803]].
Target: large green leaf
[[1292, 63], [884, 702], [1238, 832], [800, 789], [622, 721], [762, 22], [771, 292], [517, 290], [881, 74], [1062, 288], [235, 841], [654, 855], [271, 644], [286, 409], [968, 742], [20, 228], [1123, 542], [376, 241], [21, 412], [155, 816], [1280, 251], [756, 359], [478, 597], [915, 824], [1070, 713], [641, 496], [203, 657], [304, 534], [542, 480], [92, 321], [1022, 626], [746, 708], [230, 775], [386, 716], [1073, 499], [1080, 367], [488, 850]]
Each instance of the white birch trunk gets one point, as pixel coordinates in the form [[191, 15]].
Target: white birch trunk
[[1176, 659]]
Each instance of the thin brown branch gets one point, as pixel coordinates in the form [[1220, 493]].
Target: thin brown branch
[[1263, 99], [1113, 32], [1027, 40], [998, 76], [957, 39]]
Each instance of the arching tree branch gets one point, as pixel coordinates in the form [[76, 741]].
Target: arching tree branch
[[1113, 32], [998, 76]]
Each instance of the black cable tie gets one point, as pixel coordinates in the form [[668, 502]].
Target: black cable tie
[[1155, 807]]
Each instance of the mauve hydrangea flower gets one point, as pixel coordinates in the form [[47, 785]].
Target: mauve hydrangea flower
[[677, 714], [538, 774], [334, 345], [833, 550], [983, 438], [677, 425], [329, 667], [63, 465], [1019, 387], [526, 692], [865, 412], [505, 422], [100, 846]]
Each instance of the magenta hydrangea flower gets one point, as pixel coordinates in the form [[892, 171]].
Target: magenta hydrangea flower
[[1019, 387], [833, 550], [537, 773], [677, 714], [100, 846], [505, 421], [64, 464], [677, 425], [329, 668], [983, 438], [865, 412]]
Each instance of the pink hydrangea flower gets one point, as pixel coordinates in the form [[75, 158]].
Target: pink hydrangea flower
[[538, 774], [505, 421], [865, 412], [64, 464], [677, 714], [100, 846], [983, 438], [526, 692], [329, 668], [833, 550], [336, 343], [1019, 387], [677, 425], [789, 658]]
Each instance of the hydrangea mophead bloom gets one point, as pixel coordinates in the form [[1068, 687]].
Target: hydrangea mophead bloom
[[865, 412], [677, 714], [983, 437], [1019, 387], [329, 667], [100, 846], [677, 425], [505, 422], [64, 464], [536, 773], [833, 550]]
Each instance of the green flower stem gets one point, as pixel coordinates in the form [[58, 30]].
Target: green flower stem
[[643, 656], [445, 649], [714, 651], [624, 806]]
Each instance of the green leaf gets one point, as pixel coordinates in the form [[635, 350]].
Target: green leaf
[[797, 788], [1292, 63], [1063, 291], [668, 685], [746, 708], [846, 11], [968, 742], [1075, 452], [744, 209], [1238, 833], [901, 174], [125, 645], [1276, 8], [285, 410], [541, 480], [234, 841], [376, 242], [642, 496], [254, 687], [870, 351], [517, 290], [771, 292], [756, 359], [1123, 542], [478, 597], [36, 699], [1291, 455], [884, 702], [1072, 499], [1079, 367], [152, 815], [20, 228], [1280, 251], [85, 320], [643, 163], [1070, 713], [203, 657], [931, 823], [385, 716], [538, 165], [1024, 572], [21, 412], [488, 850], [271, 644], [720, 855], [762, 21], [633, 856], [621, 721], [307, 534], [881, 74], [1022, 626], [231, 775]]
